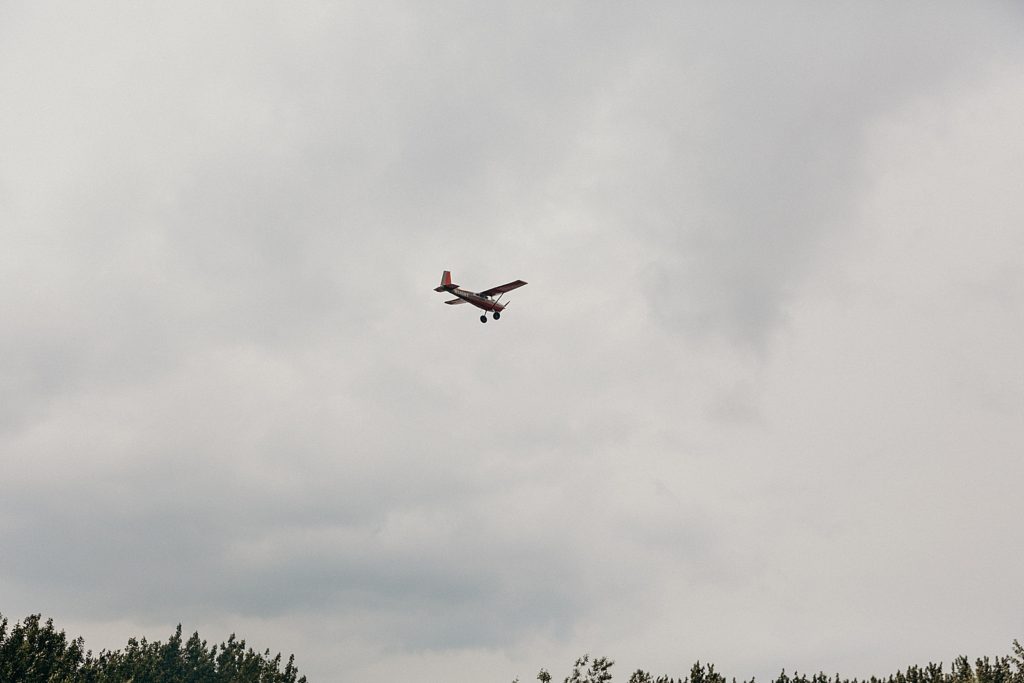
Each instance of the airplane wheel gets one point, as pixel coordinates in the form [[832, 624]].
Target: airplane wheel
[[483, 318], [497, 315]]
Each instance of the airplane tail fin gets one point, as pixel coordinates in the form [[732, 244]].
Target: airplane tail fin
[[446, 282]]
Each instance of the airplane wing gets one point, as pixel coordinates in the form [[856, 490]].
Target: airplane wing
[[501, 289], [454, 302]]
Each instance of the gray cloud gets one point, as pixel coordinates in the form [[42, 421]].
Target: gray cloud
[[742, 158]]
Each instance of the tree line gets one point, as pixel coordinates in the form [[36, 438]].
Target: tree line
[[33, 651], [999, 669]]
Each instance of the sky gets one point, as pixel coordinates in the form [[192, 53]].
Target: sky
[[761, 403]]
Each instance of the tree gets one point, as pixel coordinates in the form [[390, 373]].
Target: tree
[[598, 672], [35, 652]]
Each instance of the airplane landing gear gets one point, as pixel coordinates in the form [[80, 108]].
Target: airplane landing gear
[[497, 315], [483, 318]]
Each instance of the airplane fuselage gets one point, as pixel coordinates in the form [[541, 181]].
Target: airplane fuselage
[[483, 302]]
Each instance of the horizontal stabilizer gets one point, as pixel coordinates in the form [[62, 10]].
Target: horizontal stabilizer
[[453, 302]]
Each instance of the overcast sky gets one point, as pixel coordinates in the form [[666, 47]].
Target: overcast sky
[[761, 404]]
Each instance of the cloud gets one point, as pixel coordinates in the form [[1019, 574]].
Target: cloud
[[732, 143]]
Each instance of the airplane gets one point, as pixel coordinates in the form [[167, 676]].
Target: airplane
[[483, 300]]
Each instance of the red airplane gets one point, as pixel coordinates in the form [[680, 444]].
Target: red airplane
[[483, 300]]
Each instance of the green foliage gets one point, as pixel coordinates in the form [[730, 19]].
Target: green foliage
[[33, 652], [597, 672], [641, 676]]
